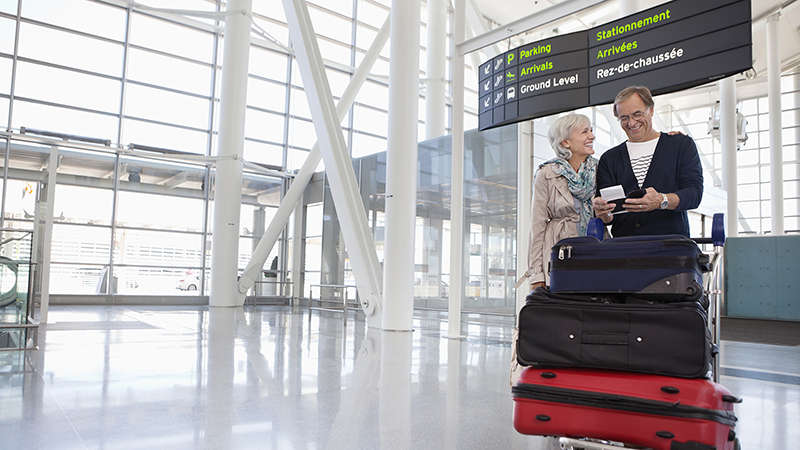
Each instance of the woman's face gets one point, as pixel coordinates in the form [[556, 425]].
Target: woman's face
[[580, 141]]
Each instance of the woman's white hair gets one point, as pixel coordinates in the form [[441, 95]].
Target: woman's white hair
[[561, 129]]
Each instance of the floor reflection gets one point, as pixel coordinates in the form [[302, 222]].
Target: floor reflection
[[284, 378]]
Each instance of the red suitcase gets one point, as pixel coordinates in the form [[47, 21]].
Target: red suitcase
[[652, 411]]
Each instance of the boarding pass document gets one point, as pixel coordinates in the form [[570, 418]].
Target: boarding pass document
[[616, 195]]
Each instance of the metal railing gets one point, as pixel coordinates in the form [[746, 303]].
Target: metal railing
[[344, 288], [24, 327]]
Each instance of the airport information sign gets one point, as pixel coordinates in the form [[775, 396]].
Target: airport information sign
[[670, 47]]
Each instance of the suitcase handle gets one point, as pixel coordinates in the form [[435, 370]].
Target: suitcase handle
[[601, 338], [661, 237]]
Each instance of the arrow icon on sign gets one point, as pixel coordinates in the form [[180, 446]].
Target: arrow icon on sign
[[498, 63], [488, 85], [487, 70], [487, 102], [497, 80], [498, 97]]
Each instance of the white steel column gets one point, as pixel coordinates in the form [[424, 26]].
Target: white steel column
[[46, 227], [435, 61], [401, 167], [524, 194], [228, 189], [222, 326], [457, 176], [395, 392], [775, 128], [727, 139], [297, 250], [295, 192], [338, 165], [259, 217]]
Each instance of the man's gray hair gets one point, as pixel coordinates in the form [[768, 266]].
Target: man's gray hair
[[643, 93], [561, 129]]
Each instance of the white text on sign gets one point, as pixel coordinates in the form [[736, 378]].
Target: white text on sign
[[640, 63], [554, 82]]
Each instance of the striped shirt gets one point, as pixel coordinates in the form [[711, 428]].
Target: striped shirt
[[640, 154]]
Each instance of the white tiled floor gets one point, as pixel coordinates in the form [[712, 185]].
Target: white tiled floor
[[274, 377]]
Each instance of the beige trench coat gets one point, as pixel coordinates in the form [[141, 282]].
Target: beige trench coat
[[553, 218]]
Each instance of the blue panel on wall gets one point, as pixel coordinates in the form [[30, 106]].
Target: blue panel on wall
[[787, 286], [751, 276]]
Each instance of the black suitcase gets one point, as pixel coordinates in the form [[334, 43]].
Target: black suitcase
[[670, 339], [665, 268]]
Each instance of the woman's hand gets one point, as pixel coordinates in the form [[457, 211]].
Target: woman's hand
[[602, 209]]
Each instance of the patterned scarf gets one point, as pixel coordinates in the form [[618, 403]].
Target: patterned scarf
[[581, 186]]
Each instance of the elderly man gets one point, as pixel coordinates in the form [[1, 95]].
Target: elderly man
[[667, 167]]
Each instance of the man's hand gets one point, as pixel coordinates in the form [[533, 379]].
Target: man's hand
[[651, 201], [602, 209]]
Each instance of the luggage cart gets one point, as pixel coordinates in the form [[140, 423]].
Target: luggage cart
[[715, 290]]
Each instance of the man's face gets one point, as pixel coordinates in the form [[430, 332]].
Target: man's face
[[635, 118]]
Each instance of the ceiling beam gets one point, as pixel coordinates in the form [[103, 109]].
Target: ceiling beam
[[524, 24], [174, 181], [771, 11]]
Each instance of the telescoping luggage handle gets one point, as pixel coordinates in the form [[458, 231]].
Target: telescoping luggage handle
[[715, 283]]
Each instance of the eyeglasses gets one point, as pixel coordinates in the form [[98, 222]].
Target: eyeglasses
[[636, 116]]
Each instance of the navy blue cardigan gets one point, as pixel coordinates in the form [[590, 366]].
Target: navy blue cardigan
[[675, 168]]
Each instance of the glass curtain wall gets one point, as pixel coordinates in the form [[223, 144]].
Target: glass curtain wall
[[130, 75], [753, 157], [490, 209]]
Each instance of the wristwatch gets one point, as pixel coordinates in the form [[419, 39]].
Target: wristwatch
[[664, 202]]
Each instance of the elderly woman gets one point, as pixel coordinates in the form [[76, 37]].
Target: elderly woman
[[563, 191]]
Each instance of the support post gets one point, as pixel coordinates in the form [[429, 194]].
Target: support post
[[395, 410], [222, 326], [259, 218], [727, 139], [298, 237], [294, 195], [457, 177], [338, 165], [46, 227], [435, 60], [524, 194], [228, 189], [775, 127], [401, 168]]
